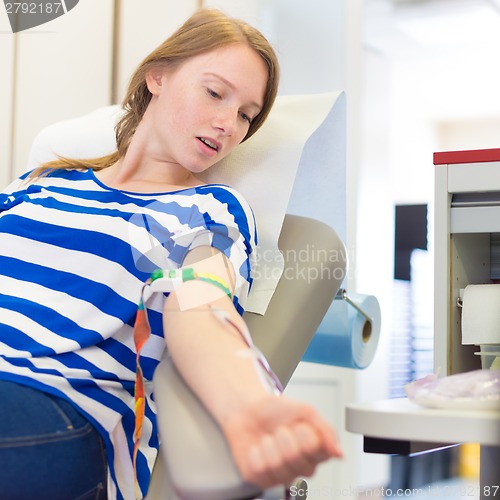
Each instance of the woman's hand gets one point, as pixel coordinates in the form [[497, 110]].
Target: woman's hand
[[274, 440]]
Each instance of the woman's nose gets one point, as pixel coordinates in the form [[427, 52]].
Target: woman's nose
[[226, 120]]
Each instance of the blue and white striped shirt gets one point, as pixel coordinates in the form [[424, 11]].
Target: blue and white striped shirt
[[74, 255]]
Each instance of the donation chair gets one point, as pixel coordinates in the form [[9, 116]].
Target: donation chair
[[194, 461]]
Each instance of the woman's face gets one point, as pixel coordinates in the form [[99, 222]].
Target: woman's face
[[201, 110]]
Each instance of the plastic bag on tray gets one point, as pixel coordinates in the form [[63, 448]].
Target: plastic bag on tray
[[474, 390]]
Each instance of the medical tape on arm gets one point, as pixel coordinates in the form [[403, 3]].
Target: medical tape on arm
[[168, 280]]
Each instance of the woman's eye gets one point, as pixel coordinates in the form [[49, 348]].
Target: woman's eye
[[246, 117], [213, 93]]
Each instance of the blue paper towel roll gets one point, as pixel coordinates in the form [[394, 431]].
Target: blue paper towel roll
[[345, 337]]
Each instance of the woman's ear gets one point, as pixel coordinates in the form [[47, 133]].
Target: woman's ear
[[154, 80]]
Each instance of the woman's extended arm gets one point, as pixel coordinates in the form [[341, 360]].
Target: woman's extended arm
[[272, 438]]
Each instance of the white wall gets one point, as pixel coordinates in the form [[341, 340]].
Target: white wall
[[440, 56], [61, 69], [7, 55], [374, 253], [142, 27], [472, 133]]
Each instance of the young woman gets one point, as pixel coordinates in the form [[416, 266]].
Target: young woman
[[78, 242]]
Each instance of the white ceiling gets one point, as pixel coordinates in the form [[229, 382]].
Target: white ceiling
[[452, 47]]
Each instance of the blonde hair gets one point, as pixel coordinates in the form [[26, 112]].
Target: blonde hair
[[205, 30]]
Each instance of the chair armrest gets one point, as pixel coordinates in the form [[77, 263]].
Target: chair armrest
[[198, 458], [315, 267]]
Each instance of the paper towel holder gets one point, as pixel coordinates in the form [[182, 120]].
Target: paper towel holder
[[368, 326]]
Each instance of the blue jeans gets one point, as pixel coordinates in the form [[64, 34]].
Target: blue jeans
[[48, 450]]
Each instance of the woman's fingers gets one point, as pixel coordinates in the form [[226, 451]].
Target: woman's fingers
[[277, 442], [267, 467], [309, 442], [282, 456], [327, 436], [294, 455]]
